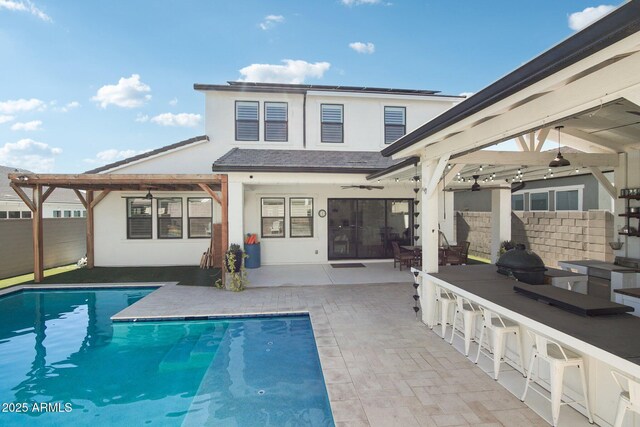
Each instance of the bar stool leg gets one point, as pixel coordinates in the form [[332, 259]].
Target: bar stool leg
[[529, 374], [519, 345], [498, 353], [484, 328], [455, 321], [556, 374], [444, 314], [584, 392], [469, 329]]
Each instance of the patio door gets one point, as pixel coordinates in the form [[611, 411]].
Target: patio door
[[365, 228]]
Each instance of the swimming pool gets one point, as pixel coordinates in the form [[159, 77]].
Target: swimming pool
[[60, 349]]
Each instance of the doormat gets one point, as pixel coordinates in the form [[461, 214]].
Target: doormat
[[348, 265]]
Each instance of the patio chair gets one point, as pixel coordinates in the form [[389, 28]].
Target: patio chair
[[457, 254], [400, 256], [558, 359], [629, 397]]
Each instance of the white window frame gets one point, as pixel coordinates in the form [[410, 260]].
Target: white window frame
[[527, 199]]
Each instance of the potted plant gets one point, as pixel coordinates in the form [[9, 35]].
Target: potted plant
[[506, 245], [233, 258]]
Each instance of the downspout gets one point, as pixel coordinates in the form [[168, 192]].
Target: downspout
[[304, 119]]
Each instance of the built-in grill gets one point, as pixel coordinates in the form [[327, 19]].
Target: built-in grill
[[524, 265], [599, 273]]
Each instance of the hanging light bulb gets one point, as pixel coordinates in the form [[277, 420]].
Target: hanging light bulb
[[559, 161], [149, 196]]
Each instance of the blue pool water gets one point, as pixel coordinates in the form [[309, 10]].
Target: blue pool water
[[61, 348]]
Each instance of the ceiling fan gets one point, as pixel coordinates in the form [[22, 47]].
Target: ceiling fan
[[364, 187], [475, 186]]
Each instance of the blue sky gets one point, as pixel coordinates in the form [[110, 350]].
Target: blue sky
[[84, 83]]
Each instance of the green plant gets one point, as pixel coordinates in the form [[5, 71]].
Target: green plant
[[238, 279], [234, 247]]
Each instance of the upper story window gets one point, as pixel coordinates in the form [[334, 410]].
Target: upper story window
[[275, 121], [332, 120], [247, 121], [394, 123]]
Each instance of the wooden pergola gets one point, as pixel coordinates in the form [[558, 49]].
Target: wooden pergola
[[97, 187]]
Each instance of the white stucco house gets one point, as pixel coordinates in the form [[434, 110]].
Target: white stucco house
[[301, 162]]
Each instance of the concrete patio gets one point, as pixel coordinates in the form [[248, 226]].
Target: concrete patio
[[326, 274]]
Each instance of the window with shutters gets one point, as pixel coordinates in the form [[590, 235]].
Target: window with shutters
[[247, 121], [332, 120], [394, 123], [138, 218], [275, 121]]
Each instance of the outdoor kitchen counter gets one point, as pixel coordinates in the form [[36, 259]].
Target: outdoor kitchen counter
[[610, 338]]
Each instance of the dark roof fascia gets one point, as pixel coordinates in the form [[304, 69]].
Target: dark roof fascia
[[301, 89], [149, 154], [409, 161], [614, 27], [292, 169]]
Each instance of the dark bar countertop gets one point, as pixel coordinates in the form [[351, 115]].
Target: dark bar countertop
[[617, 334], [632, 292]]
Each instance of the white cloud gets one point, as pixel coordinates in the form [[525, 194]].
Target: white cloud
[[140, 118], [270, 21], [359, 2], [67, 107], [27, 126], [173, 102], [6, 119], [182, 119], [294, 71], [29, 154], [363, 47], [24, 6], [21, 105], [128, 93], [580, 20]]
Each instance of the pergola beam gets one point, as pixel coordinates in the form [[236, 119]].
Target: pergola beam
[[604, 182], [99, 198], [38, 243], [47, 193], [542, 137], [81, 198], [211, 192], [107, 179], [27, 201], [483, 157]]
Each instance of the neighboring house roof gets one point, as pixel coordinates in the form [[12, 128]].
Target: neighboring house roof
[[149, 154], [299, 88], [60, 195], [614, 27], [319, 161]]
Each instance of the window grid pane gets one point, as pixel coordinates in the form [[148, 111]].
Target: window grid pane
[[517, 202], [247, 121], [199, 212], [332, 123], [539, 201], [138, 218], [301, 213], [275, 121], [169, 218], [273, 216], [567, 200]]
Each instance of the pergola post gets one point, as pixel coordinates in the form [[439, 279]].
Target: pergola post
[[429, 239], [90, 247], [500, 220], [38, 240]]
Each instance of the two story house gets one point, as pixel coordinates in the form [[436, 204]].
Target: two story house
[[301, 162]]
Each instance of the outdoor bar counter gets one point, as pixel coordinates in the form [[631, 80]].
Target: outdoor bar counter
[[607, 342]]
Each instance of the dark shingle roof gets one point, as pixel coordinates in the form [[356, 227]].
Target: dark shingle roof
[[149, 154], [60, 195], [247, 160]]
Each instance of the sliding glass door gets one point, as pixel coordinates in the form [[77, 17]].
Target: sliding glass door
[[365, 228]]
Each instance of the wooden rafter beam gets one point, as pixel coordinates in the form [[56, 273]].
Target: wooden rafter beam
[[81, 198], [211, 192], [47, 193], [109, 179], [535, 159], [542, 137], [597, 173], [27, 201], [99, 198], [522, 143]]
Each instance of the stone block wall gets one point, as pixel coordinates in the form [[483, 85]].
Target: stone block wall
[[554, 236]]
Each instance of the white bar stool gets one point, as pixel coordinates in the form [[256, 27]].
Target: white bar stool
[[629, 397], [467, 313], [558, 359], [499, 329], [444, 300]]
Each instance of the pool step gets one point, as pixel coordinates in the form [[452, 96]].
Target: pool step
[[194, 351]]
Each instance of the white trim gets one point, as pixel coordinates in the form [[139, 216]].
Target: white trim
[[579, 188], [443, 98], [555, 189]]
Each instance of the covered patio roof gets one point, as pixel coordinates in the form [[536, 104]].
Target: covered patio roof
[[92, 188]]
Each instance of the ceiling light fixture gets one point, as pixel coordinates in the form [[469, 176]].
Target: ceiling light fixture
[[559, 161], [149, 196]]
